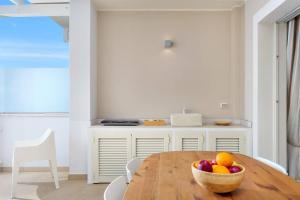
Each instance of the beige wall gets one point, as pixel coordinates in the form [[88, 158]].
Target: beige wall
[[251, 7], [137, 77]]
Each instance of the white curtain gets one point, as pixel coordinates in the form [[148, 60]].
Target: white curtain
[[293, 97]]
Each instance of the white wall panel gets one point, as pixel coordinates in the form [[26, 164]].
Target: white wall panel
[[14, 128]]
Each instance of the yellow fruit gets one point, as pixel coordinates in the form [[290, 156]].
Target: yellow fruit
[[196, 165], [220, 169], [235, 163], [224, 159]]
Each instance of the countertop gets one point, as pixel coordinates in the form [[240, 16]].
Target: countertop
[[205, 126]]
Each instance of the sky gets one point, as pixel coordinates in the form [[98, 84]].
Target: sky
[[32, 42]]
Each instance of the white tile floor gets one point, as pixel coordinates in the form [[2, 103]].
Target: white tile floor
[[39, 186]]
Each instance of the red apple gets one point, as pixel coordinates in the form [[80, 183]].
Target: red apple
[[234, 169], [205, 165]]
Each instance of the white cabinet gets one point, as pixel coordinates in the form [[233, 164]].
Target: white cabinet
[[148, 142], [111, 149], [231, 140], [189, 140]]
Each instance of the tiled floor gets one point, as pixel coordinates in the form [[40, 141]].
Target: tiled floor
[[39, 186]]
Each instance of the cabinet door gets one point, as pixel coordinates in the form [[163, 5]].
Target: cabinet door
[[111, 151], [189, 140], [227, 140], [148, 142]]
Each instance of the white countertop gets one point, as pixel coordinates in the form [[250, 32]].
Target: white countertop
[[208, 123], [209, 126]]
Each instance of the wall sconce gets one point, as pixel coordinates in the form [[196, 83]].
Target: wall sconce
[[168, 44]]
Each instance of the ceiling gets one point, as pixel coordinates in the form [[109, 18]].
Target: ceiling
[[167, 4], [62, 21]]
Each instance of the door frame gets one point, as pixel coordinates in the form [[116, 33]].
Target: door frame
[[267, 16]]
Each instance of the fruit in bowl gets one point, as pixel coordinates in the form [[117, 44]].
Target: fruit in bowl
[[205, 165], [224, 159], [234, 169], [221, 175]]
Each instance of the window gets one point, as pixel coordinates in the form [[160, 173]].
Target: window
[[34, 65]]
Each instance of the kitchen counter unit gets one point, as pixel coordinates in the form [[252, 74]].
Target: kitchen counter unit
[[111, 147]]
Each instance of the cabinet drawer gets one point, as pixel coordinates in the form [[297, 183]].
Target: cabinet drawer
[[146, 143], [230, 141], [111, 151], [189, 140]]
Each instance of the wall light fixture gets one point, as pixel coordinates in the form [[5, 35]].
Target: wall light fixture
[[168, 44]]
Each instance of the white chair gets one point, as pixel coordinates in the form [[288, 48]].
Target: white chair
[[272, 164], [42, 148], [116, 189], [131, 167]]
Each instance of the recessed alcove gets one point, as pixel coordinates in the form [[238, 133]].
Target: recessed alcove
[[139, 78]]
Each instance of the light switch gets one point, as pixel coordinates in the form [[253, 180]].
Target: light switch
[[223, 105]]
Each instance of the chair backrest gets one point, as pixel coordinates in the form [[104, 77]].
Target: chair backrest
[[116, 189], [131, 167], [47, 137], [272, 164]]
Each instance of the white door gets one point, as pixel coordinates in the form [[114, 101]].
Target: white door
[[111, 151], [148, 142], [189, 140], [228, 140]]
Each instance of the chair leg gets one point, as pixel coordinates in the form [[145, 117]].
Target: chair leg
[[15, 175], [53, 167]]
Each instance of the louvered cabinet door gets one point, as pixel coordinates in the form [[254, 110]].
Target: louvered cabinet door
[[146, 143], [228, 140], [189, 140], [112, 150]]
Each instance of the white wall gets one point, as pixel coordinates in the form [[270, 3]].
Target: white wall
[[251, 7], [237, 61], [14, 128], [94, 62], [266, 92], [83, 64], [138, 78]]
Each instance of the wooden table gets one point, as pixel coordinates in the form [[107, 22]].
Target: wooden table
[[168, 176]]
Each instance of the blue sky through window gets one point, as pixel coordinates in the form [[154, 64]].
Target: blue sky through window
[[34, 65], [5, 2], [32, 42]]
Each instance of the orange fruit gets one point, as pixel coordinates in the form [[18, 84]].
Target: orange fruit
[[220, 169], [196, 165], [224, 159], [214, 166]]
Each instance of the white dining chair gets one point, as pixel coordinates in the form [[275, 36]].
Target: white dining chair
[[42, 148], [131, 167], [116, 189], [272, 164]]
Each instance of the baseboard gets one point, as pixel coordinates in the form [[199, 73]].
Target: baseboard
[[77, 177], [34, 169]]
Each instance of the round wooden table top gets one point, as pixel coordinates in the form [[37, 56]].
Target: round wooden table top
[[168, 176]]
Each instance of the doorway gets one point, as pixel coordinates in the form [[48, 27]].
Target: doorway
[[269, 81]]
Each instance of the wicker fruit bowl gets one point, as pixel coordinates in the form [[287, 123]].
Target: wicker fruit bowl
[[218, 183]]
